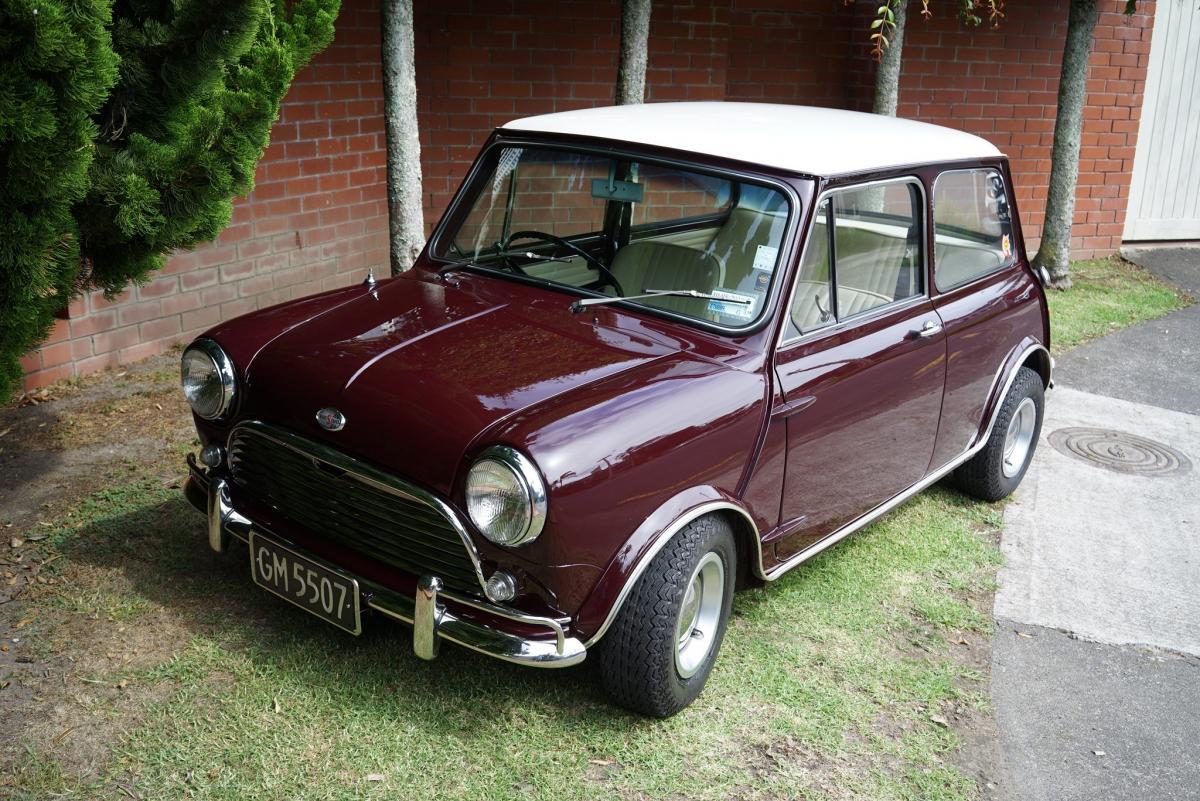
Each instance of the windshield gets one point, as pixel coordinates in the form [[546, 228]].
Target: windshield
[[617, 226]]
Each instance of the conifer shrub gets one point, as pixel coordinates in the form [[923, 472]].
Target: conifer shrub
[[134, 126], [57, 67]]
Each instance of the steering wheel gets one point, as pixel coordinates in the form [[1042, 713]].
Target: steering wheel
[[600, 266]]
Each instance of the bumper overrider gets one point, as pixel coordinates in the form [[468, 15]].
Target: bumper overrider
[[434, 613]]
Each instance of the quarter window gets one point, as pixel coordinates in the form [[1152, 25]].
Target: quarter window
[[873, 258], [972, 227], [812, 303]]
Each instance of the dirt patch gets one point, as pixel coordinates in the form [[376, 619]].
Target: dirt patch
[[84, 436], [70, 645], [793, 764]]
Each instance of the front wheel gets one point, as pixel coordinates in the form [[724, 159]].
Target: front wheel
[[995, 471], [657, 656]]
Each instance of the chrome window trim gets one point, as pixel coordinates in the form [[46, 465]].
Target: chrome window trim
[[965, 289], [365, 474], [628, 149], [837, 535], [1012, 260], [866, 314], [858, 318]]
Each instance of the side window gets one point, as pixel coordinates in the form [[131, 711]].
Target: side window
[[812, 302], [877, 246], [972, 226], [873, 258]]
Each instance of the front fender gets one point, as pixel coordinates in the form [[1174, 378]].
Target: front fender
[[601, 607], [616, 453]]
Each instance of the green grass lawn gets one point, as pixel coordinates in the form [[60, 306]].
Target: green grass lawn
[[163, 673], [838, 681], [1108, 294]]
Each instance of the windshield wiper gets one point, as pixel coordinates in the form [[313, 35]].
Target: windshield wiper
[[583, 303]]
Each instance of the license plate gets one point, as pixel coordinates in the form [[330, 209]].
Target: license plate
[[310, 585]]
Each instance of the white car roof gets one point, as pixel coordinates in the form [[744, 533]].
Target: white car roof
[[806, 139]]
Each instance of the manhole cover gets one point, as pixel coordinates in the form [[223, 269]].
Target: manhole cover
[[1119, 451]]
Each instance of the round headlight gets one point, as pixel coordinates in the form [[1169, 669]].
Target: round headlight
[[506, 498], [206, 375]]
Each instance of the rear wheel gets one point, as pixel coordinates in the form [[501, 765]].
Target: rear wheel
[[658, 654], [995, 471]]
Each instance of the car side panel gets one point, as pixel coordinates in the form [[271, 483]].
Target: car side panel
[[985, 322], [868, 431]]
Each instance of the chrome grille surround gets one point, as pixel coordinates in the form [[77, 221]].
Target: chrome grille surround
[[353, 504]]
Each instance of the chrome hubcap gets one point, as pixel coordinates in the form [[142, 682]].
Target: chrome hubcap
[[699, 615], [1019, 439]]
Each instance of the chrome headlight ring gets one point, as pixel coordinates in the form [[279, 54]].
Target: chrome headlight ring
[[506, 496], [208, 379]]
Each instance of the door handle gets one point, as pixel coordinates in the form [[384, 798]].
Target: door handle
[[792, 407], [929, 329]]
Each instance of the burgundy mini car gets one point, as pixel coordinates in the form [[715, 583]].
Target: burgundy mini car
[[650, 355]]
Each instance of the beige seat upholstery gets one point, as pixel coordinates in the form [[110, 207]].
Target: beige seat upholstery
[[651, 264], [739, 238], [867, 260], [955, 264], [811, 307]]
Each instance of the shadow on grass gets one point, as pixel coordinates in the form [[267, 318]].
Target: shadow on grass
[[247, 694], [161, 549]]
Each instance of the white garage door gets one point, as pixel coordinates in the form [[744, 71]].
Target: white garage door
[[1164, 197]]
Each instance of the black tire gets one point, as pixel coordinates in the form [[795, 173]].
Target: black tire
[[983, 476], [637, 659]]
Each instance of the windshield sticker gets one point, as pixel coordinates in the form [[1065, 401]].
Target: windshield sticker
[[1006, 246], [765, 257], [762, 280], [742, 306]]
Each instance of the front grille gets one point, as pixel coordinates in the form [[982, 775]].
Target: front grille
[[366, 513]]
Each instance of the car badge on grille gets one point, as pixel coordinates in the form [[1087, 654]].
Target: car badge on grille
[[331, 419]]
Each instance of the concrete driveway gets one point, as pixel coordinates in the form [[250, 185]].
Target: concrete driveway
[[1096, 665]]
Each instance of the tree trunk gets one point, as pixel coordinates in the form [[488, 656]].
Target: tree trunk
[[635, 36], [1054, 253], [406, 223], [887, 76]]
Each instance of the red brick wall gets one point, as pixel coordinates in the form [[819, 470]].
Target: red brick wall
[[1002, 84], [315, 220], [317, 216], [789, 52], [482, 63]]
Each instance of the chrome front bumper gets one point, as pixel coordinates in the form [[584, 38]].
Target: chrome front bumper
[[426, 611]]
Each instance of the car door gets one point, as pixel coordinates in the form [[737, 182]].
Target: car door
[[861, 365]]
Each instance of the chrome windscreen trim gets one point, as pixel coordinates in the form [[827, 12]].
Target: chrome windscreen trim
[[365, 474]]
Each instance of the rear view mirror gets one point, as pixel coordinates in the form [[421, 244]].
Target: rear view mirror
[[620, 191]]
